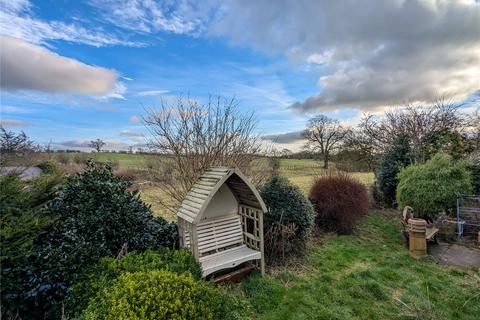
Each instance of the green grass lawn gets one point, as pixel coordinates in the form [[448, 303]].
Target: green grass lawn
[[368, 275]]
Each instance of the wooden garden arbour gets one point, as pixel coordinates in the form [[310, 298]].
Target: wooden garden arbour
[[221, 221]]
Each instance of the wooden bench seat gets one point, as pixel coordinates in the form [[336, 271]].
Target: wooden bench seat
[[229, 258], [221, 244]]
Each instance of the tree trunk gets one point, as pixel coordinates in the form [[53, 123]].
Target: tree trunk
[[325, 161]]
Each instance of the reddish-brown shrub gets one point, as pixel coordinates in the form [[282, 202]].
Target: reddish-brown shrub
[[339, 201]]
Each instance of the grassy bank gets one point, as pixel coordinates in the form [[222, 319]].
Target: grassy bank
[[368, 275]]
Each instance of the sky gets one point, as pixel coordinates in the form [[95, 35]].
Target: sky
[[74, 71]]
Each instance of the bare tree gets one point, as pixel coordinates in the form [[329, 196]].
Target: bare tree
[[474, 126], [364, 146], [415, 120], [97, 144], [286, 153], [195, 137], [15, 147], [324, 135]]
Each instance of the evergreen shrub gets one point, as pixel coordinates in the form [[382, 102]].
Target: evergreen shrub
[[432, 187], [289, 220]]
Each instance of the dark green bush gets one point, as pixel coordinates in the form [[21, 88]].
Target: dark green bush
[[289, 220], [103, 274], [339, 201], [49, 167], [165, 295], [447, 141], [96, 215], [23, 216], [432, 187], [473, 165], [397, 157]]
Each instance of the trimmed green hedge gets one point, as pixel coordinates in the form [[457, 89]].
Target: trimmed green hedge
[[102, 275], [165, 295], [432, 187]]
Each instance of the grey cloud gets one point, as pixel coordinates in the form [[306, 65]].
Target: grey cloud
[[14, 123], [368, 54], [130, 133], [288, 137], [25, 66], [74, 143], [84, 144]]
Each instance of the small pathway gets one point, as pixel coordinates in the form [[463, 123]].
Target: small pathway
[[456, 255]]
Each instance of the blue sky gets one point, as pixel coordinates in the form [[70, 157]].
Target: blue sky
[[74, 71]]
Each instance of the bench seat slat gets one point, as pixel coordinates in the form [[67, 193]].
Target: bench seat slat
[[224, 243], [220, 226], [215, 233], [228, 259]]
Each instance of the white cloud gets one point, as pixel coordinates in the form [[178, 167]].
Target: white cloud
[[25, 66], [15, 6], [135, 119], [370, 53], [14, 123], [17, 20], [152, 93], [148, 16], [15, 109]]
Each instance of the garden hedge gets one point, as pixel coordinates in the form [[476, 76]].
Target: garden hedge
[[95, 215], [103, 274]]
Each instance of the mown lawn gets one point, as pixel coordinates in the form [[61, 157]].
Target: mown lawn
[[368, 275]]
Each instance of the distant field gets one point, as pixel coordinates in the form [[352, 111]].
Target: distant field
[[301, 172], [125, 160]]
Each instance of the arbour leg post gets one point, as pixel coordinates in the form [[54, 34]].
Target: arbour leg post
[[260, 225]]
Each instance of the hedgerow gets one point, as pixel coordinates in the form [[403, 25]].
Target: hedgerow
[[95, 216]]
